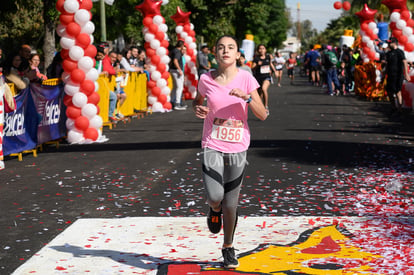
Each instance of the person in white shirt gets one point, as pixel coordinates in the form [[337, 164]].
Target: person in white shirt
[[279, 64]]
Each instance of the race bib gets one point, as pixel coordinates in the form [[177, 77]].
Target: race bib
[[230, 130], [279, 67], [265, 69]]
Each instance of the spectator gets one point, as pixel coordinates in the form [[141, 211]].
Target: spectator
[[34, 64], [1, 60], [241, 63], [124, 64], [329, 61], [109, 65], [202, 60], [396, 69], [55, 69], [133, 58], [17, 71], [141, 60], [25, 52], [341, 72], [212, 58], [177, 73]]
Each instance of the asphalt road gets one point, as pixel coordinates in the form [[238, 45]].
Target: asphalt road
[[312, 152]]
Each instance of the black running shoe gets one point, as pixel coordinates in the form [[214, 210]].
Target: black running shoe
[[229, 258], [214, 221]]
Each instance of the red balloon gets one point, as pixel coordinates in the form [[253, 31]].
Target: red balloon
[[165, 75], [151, 84], [83, 40], [73, 29], [162, 98], [371, 55], [73, 112], [77, 76], [155, 59], [337, 5], [69, 65], [147, 21], [59, 5], [409, 47], [165, 44], [156, 91], [410, 23], [151, 52], [397, 33], [187, 28], [405, 15], [153, 28], [87, 87], [167, 105], [94, 98], [64, 53], [181, 17], [66, 18], [82, 123], [86, 5], [90, 51], [190, 52], [67, 100], [366, 14], [393, 25], [364, 26], [346, 5], [403, 40], [161, 67], [159, 35], [91, 133]]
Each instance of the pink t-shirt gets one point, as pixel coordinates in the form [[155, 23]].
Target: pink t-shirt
[[225, 127]]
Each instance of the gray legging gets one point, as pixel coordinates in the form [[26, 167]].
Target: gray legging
[[223, 175]]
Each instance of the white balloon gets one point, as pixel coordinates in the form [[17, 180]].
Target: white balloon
[[161, 83], [155, 44], [366, 60], [179, 29], [152, 68], [76, 53], [61, 30], [163, 27], [188, 40], [89, 110], [96, 86], [71, 6], [151, 99], [157, 20], [155, 75], [145, 30], [75, 136], [165, 59], [370, 44], [411, 39], [85, 64], [149, 37], [193, 45], [67, 42], [365, 39], [79, 99], [96, 122], [161, 51], [372, 25], [188, 59], [71, 88], [157, 107], [88, 28], [92, 38], [70, 124], [82, 16], [401, 24], [92, 74], [192, 89], [166, 90], [407, 31], [165, 2], [192, 26], [183, 35], [395, 16]]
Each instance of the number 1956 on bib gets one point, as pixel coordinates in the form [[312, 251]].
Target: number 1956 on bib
[[230, 130]]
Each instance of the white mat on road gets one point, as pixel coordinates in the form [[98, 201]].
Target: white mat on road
[[139, 245]]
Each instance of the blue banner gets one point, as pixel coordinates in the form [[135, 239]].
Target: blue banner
[[20, 126], [51, 110]]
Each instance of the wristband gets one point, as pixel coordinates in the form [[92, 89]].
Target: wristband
[[249, 99]]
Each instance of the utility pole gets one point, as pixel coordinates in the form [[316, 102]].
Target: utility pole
[[103, 20], [298, 23]]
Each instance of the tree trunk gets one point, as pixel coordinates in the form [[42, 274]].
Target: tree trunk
[[49, 44]]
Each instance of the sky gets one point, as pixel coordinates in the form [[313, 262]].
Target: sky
[[320, 12]]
